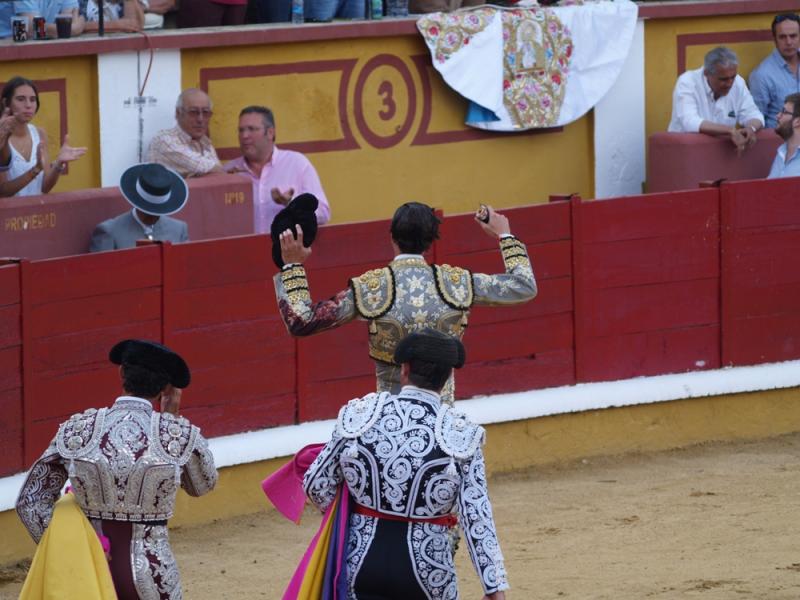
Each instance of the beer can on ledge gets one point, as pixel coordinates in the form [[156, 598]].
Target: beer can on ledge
[[39, 30]]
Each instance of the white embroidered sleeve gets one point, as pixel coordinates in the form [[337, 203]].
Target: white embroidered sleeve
[[324, 476], [478, 525]]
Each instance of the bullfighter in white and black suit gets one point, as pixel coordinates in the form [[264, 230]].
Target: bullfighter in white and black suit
[[410, 463]]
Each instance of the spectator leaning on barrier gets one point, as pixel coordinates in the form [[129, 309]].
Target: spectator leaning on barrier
[[777, 76], [278, 176], [24, 149], [787, 159], [154, 192], [50, 9], [186, 147], [715, 100]]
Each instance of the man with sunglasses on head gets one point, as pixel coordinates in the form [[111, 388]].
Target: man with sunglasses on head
[[777, 76], [187, 148], [715, 100]]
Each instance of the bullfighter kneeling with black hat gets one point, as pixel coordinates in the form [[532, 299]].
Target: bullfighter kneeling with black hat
[[125, 464]]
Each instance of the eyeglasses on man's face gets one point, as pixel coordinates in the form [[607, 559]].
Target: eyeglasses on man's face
[[199, 112]]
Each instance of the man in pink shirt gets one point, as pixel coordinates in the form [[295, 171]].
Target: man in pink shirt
[[277, 175]]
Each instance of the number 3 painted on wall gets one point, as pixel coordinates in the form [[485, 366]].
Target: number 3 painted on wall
[[385, 90], [390, 107]]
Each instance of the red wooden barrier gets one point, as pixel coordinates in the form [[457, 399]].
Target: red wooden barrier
[[334, 366], [75, 309], [220, 314], [680, 161], [62, 224], [647, 285], [526, 346], [760, 276], [627, 287], [10, 369]]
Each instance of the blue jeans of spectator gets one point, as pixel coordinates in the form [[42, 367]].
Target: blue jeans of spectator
[[325, 10]]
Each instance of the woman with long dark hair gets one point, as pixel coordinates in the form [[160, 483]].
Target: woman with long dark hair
[[30, 171]]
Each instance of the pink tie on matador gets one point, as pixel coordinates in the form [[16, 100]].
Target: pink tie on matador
[[284, 487]]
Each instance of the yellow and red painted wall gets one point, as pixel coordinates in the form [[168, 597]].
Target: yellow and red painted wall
[[364, 102]]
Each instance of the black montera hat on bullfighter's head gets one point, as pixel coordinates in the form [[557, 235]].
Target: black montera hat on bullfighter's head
[[154, 189], [153, 357], [431, 345], [300, 211]]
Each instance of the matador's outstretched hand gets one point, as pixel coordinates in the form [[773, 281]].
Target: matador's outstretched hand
[[493, 223]]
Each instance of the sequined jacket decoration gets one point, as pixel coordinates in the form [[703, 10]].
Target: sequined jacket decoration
[[406, 296], [124, 463], [411, 456]]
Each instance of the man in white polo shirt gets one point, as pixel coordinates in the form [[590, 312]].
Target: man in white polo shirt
[[715, 100]]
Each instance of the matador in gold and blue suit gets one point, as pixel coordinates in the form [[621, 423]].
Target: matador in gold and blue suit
[[407, 295]]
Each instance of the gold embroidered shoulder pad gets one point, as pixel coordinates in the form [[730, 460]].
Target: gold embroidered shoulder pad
[[80, 434], [374, 292], [454, 285], [176, 438]]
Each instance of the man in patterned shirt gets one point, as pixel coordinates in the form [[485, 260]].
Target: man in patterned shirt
[[407, 295], [186, 148], [125, 464], [409, 462]]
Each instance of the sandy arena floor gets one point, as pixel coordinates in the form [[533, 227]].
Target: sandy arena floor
[[716, 521]]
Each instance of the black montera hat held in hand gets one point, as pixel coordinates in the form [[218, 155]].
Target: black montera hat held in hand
[[431, 346], [153, 357], [300, 211], [154, 189]]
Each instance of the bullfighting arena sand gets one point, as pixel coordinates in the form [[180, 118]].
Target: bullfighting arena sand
[[715, 521]]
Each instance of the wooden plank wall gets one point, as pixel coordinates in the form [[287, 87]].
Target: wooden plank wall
[[528, 346], [334, 366], [75, 309], [220, 314], [627, 287], [760, 272], [647, 285], [11, 458]]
